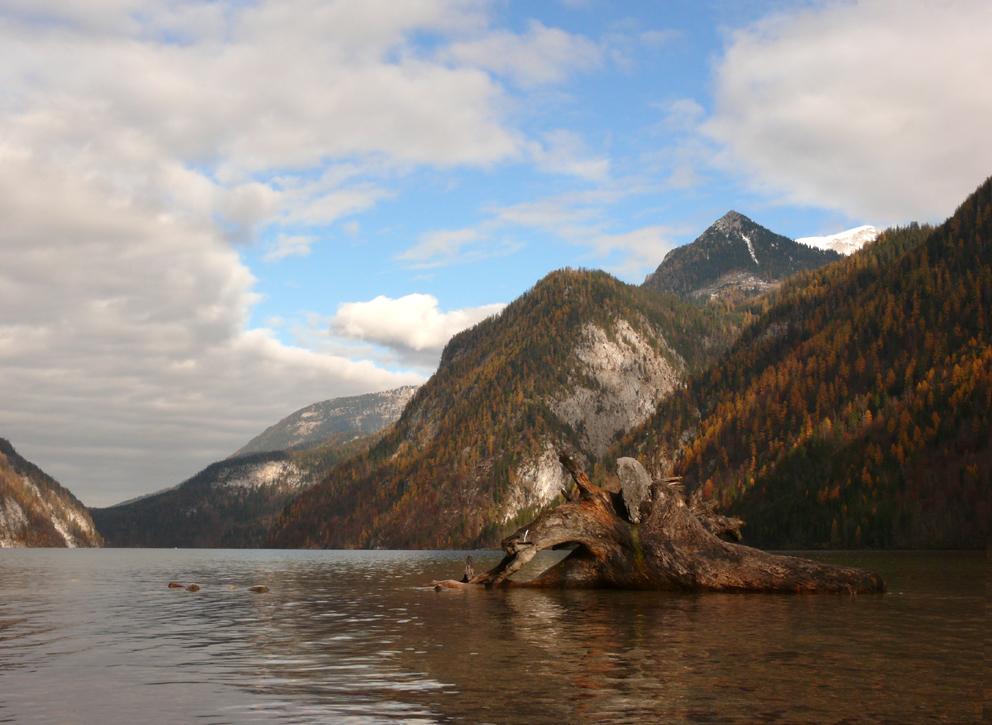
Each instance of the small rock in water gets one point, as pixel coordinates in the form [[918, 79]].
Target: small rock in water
[[259, 589], [193, 588], [232, 587], [176, 585]]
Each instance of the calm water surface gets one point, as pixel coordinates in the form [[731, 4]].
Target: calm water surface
[[95, 636]]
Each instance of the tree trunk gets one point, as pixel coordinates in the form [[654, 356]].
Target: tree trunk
[[648, 537]]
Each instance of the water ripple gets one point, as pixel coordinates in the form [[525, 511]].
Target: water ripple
[[354, 637]]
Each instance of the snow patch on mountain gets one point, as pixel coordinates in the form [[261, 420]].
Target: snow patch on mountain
[[256, 475], [750, 247], [846, 243]]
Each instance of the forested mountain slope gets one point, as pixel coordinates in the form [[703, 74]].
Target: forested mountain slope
[[35, 510], [578, 359], [855, 412]]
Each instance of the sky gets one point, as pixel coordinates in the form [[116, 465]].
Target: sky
[[215, 213]]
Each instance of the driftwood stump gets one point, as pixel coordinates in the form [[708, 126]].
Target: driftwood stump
[[649, 537]]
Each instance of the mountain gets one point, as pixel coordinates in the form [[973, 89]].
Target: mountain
[[855, 411], [845, 243], [36, 511], [233, 503], [310, 427], [577, 360], [732, 259], [229, 504]]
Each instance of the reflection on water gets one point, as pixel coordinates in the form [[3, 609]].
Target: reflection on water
[[353, 637]]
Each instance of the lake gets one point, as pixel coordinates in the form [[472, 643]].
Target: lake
[[353, 637]]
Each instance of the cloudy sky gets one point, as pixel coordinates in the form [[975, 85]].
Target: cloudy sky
[[213, 213]]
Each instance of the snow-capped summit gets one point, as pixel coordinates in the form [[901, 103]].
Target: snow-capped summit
[[843, 242]]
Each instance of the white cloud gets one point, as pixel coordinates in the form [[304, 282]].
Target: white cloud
[[289, 246], [540, 56], [659, 38], [439, 246], [410, 323], [640, 249], [565, 152], [138, 140], [279, 85], [564, 213], [879, 109], [581, 219], [683, 114], [444, 247], [124, 359], [141, 140]]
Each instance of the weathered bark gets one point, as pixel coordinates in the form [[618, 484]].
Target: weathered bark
[[648, 537]]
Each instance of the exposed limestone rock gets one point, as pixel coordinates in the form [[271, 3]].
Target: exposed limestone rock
[[537, 482], [618, 383], [625, 377], [35, 510], [635, 484]]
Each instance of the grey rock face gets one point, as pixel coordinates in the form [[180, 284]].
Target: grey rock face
[[635, 483]]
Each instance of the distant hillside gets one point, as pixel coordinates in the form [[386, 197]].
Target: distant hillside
[[855, 411], [575, 361], [734, 258], [35, 510], [229, 504], [845, 243], [310, 427]]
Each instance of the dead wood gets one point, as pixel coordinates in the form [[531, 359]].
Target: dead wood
[[649, 537]]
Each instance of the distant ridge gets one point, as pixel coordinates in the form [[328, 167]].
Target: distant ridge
[[233, 503], [311, 426], [229, 504], [734, 257]]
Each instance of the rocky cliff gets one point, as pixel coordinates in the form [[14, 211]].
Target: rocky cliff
[[36, 511]]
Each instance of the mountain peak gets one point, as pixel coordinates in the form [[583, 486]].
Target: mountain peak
[[732, 221], [734, 257]]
